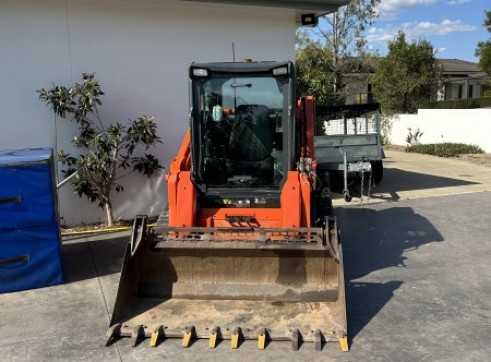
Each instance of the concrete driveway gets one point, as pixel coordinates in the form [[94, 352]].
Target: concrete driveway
[[410, 176], [418, 282]]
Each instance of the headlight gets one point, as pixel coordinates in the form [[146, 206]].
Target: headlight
[[280, 71], [200, 72]]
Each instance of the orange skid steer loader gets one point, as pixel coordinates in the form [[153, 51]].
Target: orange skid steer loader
[[249, 250]]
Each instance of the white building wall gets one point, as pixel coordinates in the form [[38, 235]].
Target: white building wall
[[452, 90], [140, 52], [470, 126]]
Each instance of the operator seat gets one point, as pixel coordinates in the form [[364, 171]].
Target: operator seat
[[251, 143], [251, 134]]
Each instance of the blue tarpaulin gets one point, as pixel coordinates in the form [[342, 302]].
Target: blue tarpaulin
[[30, 247]]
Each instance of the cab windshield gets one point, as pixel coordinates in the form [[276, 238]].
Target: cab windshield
[[242, 130]]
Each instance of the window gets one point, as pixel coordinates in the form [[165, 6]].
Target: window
[[242, 130]]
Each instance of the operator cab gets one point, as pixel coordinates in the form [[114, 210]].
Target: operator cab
[[241, 124]]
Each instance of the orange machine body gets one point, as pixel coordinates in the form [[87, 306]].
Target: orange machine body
[[295, 200]]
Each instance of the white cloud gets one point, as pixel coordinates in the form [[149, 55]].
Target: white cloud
[[440, 50], [390, 8], [421, 29], [458, 2], [426, 28], [385, 34]]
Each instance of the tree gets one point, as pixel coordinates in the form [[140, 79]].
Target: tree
[[407, 77], [342, 33], [339, 48], [483, 51], [312, 69], [106, 149]]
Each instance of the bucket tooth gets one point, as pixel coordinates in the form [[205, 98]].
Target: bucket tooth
[[234, 339], [113, 332], [136, 333], [157, 333], [343, 342], [295, 337], [187, 335], [318, 340], [212, 342], [261, 339]]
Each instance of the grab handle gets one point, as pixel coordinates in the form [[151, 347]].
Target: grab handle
[[19, 260], [11, 200]]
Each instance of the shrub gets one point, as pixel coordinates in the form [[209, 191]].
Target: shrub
[[414, 138], [105, 148], [444, 149], [386, 123]]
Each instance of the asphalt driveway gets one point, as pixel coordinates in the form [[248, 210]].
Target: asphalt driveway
[[418, 282]]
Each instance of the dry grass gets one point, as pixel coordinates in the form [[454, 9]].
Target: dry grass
[[101, 227]]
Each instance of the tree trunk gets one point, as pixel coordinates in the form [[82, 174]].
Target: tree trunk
[[109, 212], [335, 32]]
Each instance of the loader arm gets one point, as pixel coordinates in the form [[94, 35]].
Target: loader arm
[[179, 186]]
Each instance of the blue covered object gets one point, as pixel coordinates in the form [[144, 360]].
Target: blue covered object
[[30, 246]]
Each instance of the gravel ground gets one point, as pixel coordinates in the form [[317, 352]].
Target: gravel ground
[[483, 159]]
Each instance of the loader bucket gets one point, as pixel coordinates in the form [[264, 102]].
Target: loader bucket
[[232, 284]]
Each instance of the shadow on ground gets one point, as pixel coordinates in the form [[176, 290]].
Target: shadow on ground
[[396, 180], [374, 240], [89, 259]]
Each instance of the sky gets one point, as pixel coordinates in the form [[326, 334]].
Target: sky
[[453, 27]]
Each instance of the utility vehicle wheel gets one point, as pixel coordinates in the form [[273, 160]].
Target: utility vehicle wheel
[[377, 171]]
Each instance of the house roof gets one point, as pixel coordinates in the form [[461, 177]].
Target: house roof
[[451, 67], [456, 66]]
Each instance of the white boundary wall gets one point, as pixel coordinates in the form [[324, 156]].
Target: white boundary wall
[[470, 126], [140, 51]]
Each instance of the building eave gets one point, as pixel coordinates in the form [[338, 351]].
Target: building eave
[[308, 5], [296, 7]]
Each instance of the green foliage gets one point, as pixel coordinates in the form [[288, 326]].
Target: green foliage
[[313, 75], [444, 149], [105, 149], [338, 49], [486, 88], [386, 123], [407, 77], [482, 102], [414, 138], [483, 50], [341, 32]]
